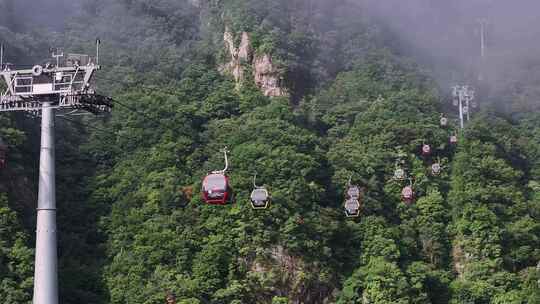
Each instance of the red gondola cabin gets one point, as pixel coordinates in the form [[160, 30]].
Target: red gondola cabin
[[426, 150], [407, 195], [216, 189]]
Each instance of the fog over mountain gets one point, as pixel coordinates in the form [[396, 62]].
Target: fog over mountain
[[332, 106], [445, 35]]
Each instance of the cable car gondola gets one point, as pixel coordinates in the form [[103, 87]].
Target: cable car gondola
[[3, 153], [407, 194], [426, 150], [260, 198], [216, 189], [352, 190], [436, 167], [453, 139], [352, 201], [444, 121], [352, 208], [399, 174]]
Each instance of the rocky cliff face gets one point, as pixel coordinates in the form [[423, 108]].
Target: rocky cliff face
[[265, 74], [293, 277], [238, 56], [267, 77]]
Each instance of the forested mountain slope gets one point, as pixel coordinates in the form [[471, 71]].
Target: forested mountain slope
[[304, 93]]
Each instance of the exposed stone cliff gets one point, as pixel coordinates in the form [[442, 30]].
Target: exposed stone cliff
[[265, 74]]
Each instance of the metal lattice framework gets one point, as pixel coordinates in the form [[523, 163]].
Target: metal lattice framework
[[463, 96], [65, 85]]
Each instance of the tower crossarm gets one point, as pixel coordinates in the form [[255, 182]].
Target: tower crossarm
[[46, 81], [90, 102]]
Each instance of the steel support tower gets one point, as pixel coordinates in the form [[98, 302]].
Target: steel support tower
[[61, 85], [463, 96], [483, 24]]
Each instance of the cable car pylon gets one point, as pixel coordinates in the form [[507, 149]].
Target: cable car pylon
[[65, 85]]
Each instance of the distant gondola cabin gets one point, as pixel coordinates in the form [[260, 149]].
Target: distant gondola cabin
[[259, 198], [216, 189], [353, 192], [407, 194], [444, 121], [352, 208], [436, 169], [426, 150], [399, 174]]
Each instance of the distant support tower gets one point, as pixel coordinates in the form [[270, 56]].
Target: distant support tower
[[483, 24], [463, 96], [60, 85]]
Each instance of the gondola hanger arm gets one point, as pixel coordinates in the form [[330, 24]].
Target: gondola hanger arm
[[225, 151], [254, 181]]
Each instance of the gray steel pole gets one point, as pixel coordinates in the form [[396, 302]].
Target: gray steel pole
[[483, 23], [461, 108], [467, 99], [45, 275], [482, 39]]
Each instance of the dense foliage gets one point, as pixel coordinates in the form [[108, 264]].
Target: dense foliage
[[133, 226]]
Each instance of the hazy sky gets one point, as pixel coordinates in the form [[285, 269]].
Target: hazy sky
[[446, 33], [443, 34]]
